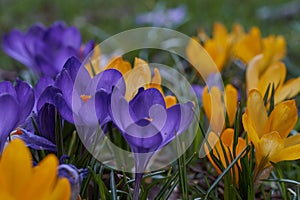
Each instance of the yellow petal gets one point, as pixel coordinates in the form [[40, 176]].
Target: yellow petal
[[120, 65], [249, 127], [43, 179], [289, 153], [218, 51], [257, 112], [275, 74], [227, 137], [231, 99], [274, 48], [62, 190], [249, 45], [253, 72], [214, 108], [139, 76], [288, 90], [93, 65], [219, 31], [270, 145], [283, 118], [170, 101], [200, 59], [15, 168], [292, 140]]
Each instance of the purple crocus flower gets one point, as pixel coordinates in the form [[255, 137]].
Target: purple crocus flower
[[16, 104], [78, 90], [147, 125], [45, 50]]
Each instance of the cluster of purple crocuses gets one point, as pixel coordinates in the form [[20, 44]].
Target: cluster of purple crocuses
[[67, 90]]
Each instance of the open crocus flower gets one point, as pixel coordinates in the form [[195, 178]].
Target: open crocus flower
[[214, 107], [259, 76], [45, 50], [20, 180], [227, 138], [16, 104], [146, 123], [269, 134]]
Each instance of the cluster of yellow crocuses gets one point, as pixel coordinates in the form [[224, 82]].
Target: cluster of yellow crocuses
[[269, 132]]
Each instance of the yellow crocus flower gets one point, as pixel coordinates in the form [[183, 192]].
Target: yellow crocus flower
[[20, 180], [259, 76], [214, 107], [269, 134]]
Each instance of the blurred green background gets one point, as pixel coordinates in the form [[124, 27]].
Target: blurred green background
[[102, 18]]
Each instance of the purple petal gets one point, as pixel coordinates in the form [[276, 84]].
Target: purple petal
[[120, 110], [13, 45], [88, 47], [101, 107], [72, 38], [26, 99], [110, 78], [36, 142], [143, 101], [179, 119], [46, 122], [63, 108], [6, 87], [143, 143], [8, 117], [48, 96]]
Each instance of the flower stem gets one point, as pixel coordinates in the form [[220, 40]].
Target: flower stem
[[137, 185]]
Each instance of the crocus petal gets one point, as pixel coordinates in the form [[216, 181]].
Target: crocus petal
[[13, 45], [231, 99], [43, 178], [119, 110], [48, 96], [213, 107], [62, 190], [46, 122], [120, 65], [249, 45], [144, 100], [8, 119], [227, 137], [288, 90], [101, 106], [36, 142], [7, 88], [283, 118], [15, 167], [292, 140], [26, 99], [256, 111], [170, 101], [145, 139], [270, 145], [139, 76], [274, 74], [63, 108], [110, 78], [289, 153], [249, 127], [253, 72], [72, 37]]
